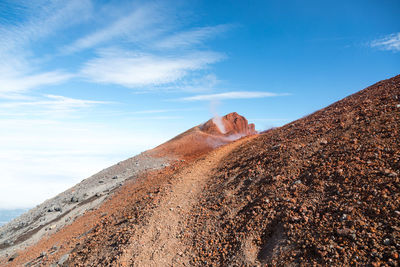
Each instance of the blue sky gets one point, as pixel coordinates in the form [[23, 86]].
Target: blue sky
[[84, 84]]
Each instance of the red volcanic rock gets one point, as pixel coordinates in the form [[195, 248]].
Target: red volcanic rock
[[230, 124], [207, 136]]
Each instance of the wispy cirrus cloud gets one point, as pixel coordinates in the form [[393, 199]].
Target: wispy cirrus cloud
[[154, 111], [192, 37], [390, 42], [41, 18], [47, 105], [13, 83], [137, 70], [230, 95], [132, 26], [137, 29], [19, 68]]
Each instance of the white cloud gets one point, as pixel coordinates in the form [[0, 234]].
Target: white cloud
[[389, 42], [42, 19], [230, 95], [20, 69], [191, 37], [153, 111], [203, 83], [138, 70], [50, 105], [13, 82], [133, 26]]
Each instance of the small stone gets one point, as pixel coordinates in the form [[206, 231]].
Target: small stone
[[56, 208], [15, 255], [74, 199], [323, 142], [297, 182], [295, 219], [386, 242], [115, 177], [344, 231], [276, 147], [63, 259], [101, 181]]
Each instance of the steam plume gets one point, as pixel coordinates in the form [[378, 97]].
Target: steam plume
[[217, 120]]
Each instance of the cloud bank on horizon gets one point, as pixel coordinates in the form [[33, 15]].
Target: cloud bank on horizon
[[86, 83]]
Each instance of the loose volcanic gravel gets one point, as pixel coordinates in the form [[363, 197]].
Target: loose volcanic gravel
[[323, 190]]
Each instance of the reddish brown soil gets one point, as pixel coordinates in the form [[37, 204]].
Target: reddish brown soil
[[323, 190]]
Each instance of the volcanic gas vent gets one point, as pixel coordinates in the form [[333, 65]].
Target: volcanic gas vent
[[230, 124]]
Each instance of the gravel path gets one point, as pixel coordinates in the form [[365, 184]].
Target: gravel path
[[161, 241]]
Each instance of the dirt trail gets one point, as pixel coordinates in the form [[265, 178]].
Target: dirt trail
[[161, 241]]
